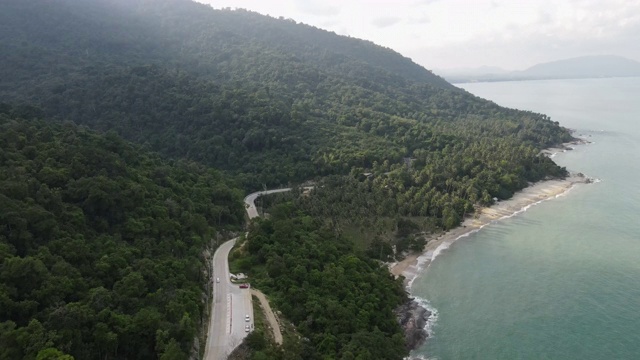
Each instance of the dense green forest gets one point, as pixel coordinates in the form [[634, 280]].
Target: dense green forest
[[340, 301], [174, 75], [101, 241], [101, 244], [438, 188]]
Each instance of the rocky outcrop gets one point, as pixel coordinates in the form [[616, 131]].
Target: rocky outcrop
[[412, 318]]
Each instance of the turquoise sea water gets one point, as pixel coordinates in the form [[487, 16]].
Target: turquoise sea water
[[561, 280]]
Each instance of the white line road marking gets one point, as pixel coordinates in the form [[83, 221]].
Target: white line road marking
[[229, 311]]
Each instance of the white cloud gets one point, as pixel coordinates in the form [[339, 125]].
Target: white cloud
[[317, 8], [385, 21], [468, 33]]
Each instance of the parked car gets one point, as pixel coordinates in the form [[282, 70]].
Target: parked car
[[246, 328], [247, 318], [217, 280], [244, 286]]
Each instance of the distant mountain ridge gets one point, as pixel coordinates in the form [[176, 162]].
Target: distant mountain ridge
[[471, 71], [253, 102], [174, 74], [583, 67]]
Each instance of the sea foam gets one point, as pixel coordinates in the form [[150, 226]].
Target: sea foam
[[425, 260], [431, 321], [431, 255], [433, 318]]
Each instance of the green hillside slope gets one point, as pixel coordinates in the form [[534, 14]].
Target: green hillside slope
[[267, 98], [101, 244], [267, 102]]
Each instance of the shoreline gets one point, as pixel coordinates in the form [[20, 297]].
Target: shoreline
[[414, 263], [535, 193], [422, 315]]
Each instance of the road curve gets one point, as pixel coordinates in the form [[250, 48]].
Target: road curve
[[216, 347], [249, 201], [231, 304]]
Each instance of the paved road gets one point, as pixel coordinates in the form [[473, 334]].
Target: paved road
[[250, 200], [230, 306]]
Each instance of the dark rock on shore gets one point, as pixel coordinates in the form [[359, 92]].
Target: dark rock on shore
[[412, 318]]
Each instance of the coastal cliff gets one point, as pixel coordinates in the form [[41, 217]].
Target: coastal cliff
[[412, 318]]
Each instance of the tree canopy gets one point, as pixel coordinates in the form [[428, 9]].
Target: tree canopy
[[268, 99], [101, 243], [339, 300], [134, 124]]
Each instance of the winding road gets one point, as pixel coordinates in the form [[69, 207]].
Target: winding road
[[249, 201], [231, 304]]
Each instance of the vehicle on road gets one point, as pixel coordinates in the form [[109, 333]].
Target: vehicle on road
[[246, 328], [244, 286], [217, 280], [247, 318]]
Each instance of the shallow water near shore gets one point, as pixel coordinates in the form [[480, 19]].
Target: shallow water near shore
[[562, 279]]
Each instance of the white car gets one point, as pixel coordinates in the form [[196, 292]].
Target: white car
[[247, 318], [246, 328], [217, 280]]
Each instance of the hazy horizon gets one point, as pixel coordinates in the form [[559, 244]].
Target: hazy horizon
[[602, 61], [443, 35]]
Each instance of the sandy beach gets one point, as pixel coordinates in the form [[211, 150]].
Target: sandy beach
[[413, 263]]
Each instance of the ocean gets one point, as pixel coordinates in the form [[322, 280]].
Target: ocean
[[562, 279]]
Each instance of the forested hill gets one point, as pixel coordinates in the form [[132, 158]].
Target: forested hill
[[101, 244], [265, 98], [160, 30], [101, 240]]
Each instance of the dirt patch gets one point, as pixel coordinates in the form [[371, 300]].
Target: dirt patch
[[271, 318]]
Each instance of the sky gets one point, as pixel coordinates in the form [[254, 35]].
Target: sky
[[453, 34]]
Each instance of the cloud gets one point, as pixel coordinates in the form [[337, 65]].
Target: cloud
[[317, 8], [524, 50], [470, 33], [423, 2], [386, 21], [544, 17], [548, 31], [329, 23], [420, 20]]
